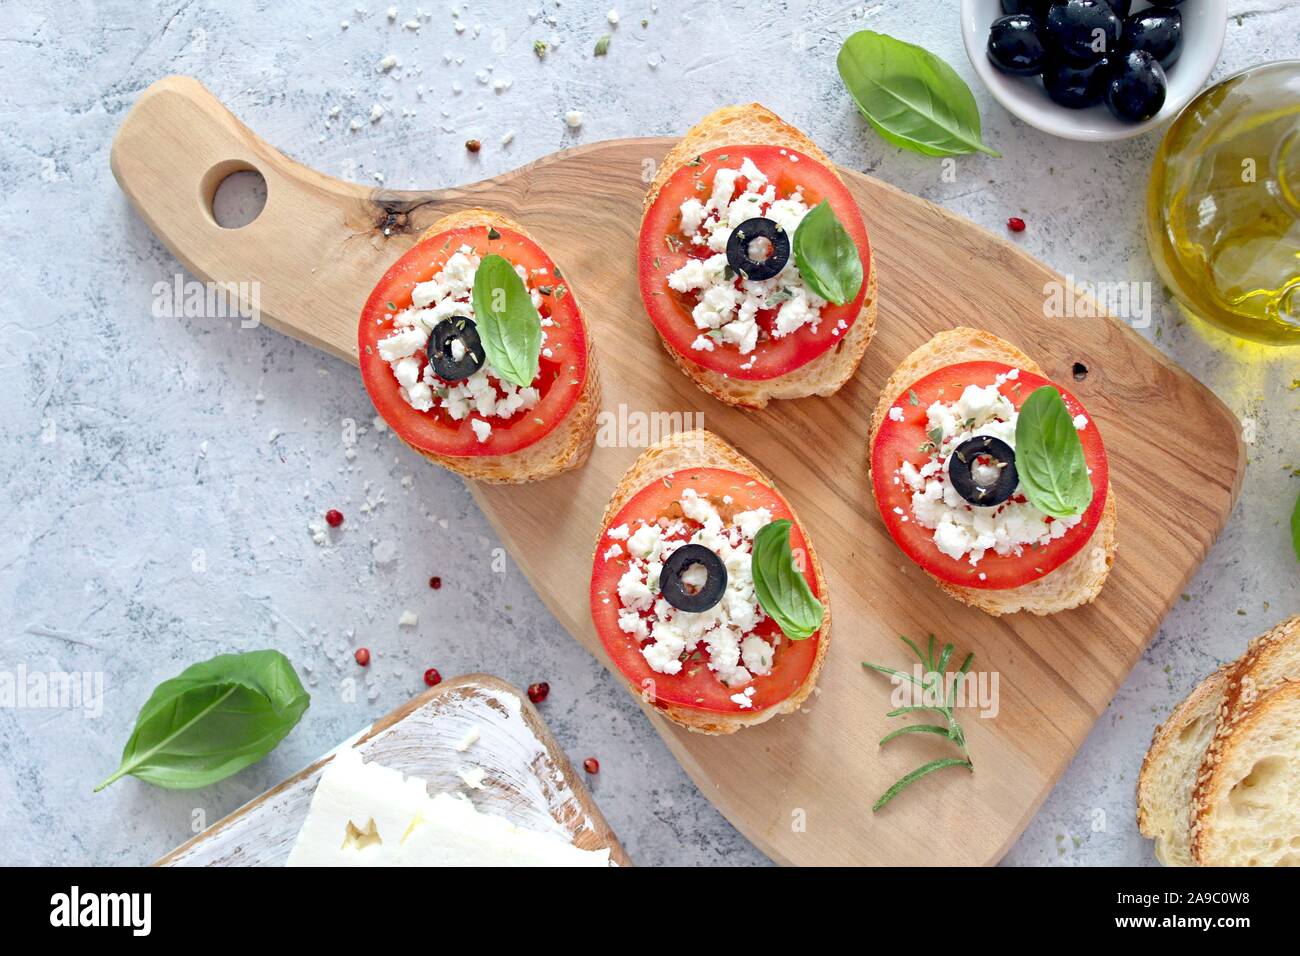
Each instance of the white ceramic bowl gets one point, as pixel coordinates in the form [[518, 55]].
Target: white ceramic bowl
[[1204, 23]]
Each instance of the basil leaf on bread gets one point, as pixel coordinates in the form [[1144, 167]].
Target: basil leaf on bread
[[509, 326], [826, 257], [780, 587], [1049, 456]]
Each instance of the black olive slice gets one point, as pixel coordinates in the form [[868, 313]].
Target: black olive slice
[[675, 591], [983, 470], [739, 243], [443, 351]]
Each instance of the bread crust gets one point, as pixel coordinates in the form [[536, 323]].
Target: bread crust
[[753, 124], [703, 449], [569, 444], [1076, 582], [1249, 687], [1165, 816]]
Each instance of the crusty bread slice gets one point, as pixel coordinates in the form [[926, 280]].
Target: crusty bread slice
[[569, 444], [1168, 774], [756, 125], [1076, 582], [1232, 821], [1247, 803], [703, 449]]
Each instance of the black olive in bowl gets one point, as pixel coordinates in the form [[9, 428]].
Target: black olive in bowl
[[1035, 8], [1158, 30], [1137, 88], [1016, 46], [1076, 87], [1082, 31]]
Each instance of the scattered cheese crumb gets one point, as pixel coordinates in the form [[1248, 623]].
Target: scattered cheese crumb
[[408, 619], [470, 738], [573, 119], [472, 778]]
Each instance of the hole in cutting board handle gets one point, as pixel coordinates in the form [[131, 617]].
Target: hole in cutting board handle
[[233, 194]]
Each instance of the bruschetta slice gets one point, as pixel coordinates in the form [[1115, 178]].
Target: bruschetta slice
[[476, 354], [705, 589], [754, 262], [992, 478]]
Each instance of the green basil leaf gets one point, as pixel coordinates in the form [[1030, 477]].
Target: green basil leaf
[[1049, 456], [781, 590], [508, 325], [911, 97], [1295, 529], [826, 257], [213, 720]]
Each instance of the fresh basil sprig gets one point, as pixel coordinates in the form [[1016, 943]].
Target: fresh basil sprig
[[1049, 456], [213, 720], [826, 257], [781, 590], [509, 327], [911, 98]]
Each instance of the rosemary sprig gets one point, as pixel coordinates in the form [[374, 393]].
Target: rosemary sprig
[[931, 682]]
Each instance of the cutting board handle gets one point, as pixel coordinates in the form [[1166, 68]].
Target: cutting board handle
[[310, 242]]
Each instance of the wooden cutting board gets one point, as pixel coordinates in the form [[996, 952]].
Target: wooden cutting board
[[799, 787], [527, 778]]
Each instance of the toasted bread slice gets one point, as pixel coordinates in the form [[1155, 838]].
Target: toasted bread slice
[[756, 125], [1076, 582], [569, 444], [703, 449], [1256, 740], [1168, 774]]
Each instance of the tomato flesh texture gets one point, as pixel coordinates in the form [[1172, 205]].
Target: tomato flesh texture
[[897, 442], [670, 311], [560, 378], [696, 686]]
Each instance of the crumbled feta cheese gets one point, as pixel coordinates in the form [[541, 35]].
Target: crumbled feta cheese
[[408, 619], [960, 529], [573, 119], [725, 631], [472, 777], [450, 293], [730, 303], [895, 414]]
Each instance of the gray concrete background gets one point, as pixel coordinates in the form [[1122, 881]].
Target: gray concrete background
[[160, 474]]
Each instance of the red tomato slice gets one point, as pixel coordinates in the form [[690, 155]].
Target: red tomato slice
[[897, 442], [670, 311], [560, 378], [695, 686]]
